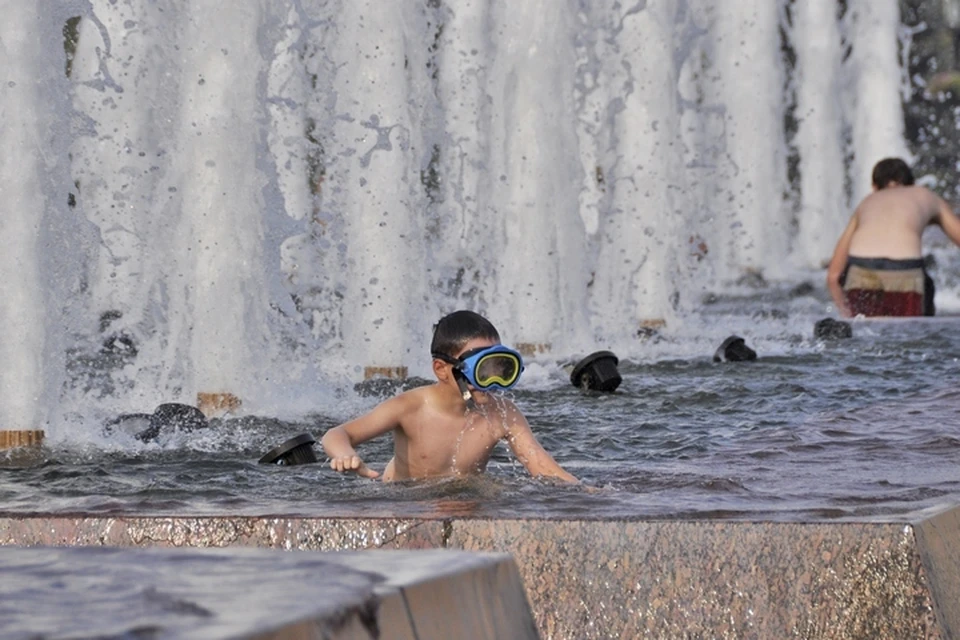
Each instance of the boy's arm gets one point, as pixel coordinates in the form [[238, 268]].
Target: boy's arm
[[948, 221], [529, 451], [838, 263], [339, 442]]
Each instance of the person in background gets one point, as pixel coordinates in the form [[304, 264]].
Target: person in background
[[877, 268]]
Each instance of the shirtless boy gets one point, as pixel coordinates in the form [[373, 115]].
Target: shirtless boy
[[877, 266], [449, 428]]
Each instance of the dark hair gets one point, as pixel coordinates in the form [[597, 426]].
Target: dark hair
[[891, 170], [455, 330]]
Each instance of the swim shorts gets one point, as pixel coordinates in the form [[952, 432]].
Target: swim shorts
[[884, 287]]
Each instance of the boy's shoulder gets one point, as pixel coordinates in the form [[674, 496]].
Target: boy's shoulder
[[414, 401], [417, 395]]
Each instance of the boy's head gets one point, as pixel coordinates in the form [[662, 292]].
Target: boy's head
[[455, 330], [891, 170]]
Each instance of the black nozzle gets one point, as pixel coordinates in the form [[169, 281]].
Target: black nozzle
[[597, 372], [167, 417], [181, 417], [734, 349], [173, 416], [830, 329], [296, 450]]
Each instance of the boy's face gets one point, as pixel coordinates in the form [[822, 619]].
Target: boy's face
[[444, 370], [476, 343]]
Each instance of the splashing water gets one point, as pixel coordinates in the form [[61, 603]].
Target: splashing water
[[261, 197]]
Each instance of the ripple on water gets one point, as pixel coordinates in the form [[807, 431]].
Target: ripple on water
[[861, 428]]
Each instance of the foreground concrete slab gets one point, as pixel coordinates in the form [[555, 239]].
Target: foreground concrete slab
[[634, 579], [50, 592]]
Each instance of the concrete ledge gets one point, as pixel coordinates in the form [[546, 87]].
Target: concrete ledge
[[314, 534], [255, 593], [717, 580], [614, 578], [938, 542]]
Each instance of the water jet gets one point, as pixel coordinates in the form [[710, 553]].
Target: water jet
[[259, 221]]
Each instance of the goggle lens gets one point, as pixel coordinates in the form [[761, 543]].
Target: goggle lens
[[497, 368]]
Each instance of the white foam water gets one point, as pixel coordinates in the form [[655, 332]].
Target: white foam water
[[41, 285], [267, 198], [876, 82], [820, 114]]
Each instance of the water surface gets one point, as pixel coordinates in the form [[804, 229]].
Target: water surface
[[857, 428]]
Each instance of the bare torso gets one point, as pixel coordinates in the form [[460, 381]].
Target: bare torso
[[434, 440], [891, 221]]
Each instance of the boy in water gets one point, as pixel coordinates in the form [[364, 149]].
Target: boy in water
[[877, 268], [451, 427]]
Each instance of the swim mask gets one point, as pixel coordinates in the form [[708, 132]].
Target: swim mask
[[496, 367]]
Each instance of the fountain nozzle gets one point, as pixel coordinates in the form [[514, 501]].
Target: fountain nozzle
[[296, 450], [597, 372]]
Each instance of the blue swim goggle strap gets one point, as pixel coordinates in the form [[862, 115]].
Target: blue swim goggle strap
[[486, 368]]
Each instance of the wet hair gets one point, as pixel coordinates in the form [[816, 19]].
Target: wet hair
[[892, 170], [455, 330]]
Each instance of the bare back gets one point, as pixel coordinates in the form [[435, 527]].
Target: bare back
[[436, 438], [891, 221]]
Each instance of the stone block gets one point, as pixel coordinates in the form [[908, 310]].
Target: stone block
[[257, 593], [627, 578]]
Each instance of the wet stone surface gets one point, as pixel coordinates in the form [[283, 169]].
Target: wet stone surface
[[61, 592], [603, 578]]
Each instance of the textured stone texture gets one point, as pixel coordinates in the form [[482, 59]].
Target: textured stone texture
[[938, 540], [315, 534], [452, 595], [635, 579], [259, 593], [715, 579]]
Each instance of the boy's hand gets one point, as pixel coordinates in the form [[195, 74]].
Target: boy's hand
[[345, 464]]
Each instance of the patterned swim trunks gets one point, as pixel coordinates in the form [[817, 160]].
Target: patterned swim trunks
[[884, 287]]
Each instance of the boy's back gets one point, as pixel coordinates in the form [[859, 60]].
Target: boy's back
[[891, 221]]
